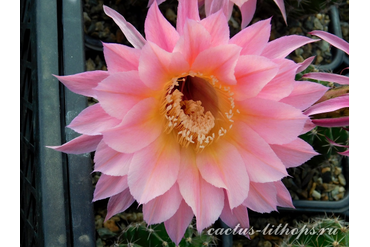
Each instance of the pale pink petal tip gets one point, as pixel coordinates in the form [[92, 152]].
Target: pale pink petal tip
[[232, 178], [235, 217], [332, 39], [344, 153], [111, 162], [159, 161], [179, 222], [83, 83], [159, 31], [304, 65], [283, 46], [247, 9], [305, 94], [108, 186], [92, 120], [186, 10], [132, 35], [120, 57], [79, 145], [328, 105], [283, 196], [323, 76], [295, 153], [262, 197], [119, 203], [162, 207], [280, 4]]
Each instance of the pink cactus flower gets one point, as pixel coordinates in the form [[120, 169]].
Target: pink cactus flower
[[193, 123]]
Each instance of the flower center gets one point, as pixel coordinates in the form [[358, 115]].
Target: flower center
[[198, 109]]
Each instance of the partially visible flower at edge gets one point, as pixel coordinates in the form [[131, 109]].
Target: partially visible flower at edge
[[334, 99], [193, 123], [247, 8]]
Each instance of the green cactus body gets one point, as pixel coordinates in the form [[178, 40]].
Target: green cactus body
[[322, 232], [141, 235]]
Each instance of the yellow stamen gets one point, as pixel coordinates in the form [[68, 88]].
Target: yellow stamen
[[193, 125]]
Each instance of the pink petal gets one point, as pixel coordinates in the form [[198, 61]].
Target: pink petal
[[304, 94], [187, 9], [275, 122], [79, 145], [283, 46], [329, 105], [154, 169], [132, 35], [235, 216], [205, 200], [333, 40], [120, 57], [217, 27], [212, 7], [254, 38], [93, 120], [140, 127], [344, 153], [150, 2], [176, 226], [283, 196], [195, 40], [304, 65], [158, 66], [111, 162], [108, 186], [158, 30], [308, 126], [178, 65], [153, 66], [295, 153], [335, 144], [83, 83], [214, 166], [280, 4], [247, 9], [324, 76], [331, 122], [241, 214], [252, 74], [162, 207], [262, 197], [261, 162], [119, 203], [218, 61], [283, 83], [119, 92]]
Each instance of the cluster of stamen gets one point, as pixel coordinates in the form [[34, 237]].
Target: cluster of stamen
[[193, 125]]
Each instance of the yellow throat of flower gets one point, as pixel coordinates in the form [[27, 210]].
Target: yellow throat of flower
[[185, 110]]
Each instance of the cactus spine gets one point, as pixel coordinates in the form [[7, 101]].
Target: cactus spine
[[321, 232]]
